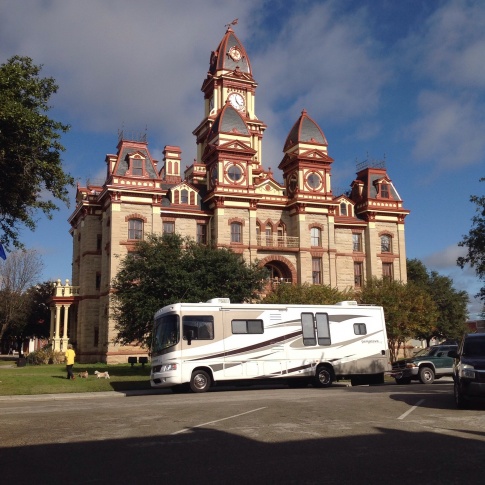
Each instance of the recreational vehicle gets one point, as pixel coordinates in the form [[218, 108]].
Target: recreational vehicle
[[198, 345]]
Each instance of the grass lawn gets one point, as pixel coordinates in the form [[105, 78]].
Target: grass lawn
[[51, 379]]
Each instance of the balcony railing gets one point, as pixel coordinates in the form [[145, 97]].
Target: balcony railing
[[278, 241]]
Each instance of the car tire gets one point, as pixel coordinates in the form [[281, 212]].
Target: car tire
[[460, 401], [426, 375]]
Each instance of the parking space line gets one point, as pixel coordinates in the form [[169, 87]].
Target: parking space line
[[411, 410], [217, 421]]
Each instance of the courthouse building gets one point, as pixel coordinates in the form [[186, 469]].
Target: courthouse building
[[299, 229]]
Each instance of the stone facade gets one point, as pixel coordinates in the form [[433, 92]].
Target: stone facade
[[299, 229]]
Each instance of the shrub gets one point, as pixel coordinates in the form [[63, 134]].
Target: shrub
[[45, 356]]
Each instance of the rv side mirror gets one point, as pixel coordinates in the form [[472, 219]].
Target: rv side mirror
[[453, 354]]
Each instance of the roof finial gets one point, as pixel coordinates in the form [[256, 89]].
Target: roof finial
[[234, 22]]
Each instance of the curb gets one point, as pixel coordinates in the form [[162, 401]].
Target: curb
[[81, 395]]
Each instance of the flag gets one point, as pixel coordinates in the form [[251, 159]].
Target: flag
[[2, 252]]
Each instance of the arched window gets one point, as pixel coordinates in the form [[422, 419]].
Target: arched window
[[236, 232], [343, 209], [386, 244], [135, 229], [316, 236], [269, 235]]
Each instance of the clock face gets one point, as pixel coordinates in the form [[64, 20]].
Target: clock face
[[235, 53], [237, 101], [313, 180]]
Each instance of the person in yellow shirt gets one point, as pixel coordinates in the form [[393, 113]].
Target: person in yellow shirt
[[70, 356]]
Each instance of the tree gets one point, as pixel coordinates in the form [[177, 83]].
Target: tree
[[168, 269], [30, 161], [18, 273], [474, 241], [408, 309], [307, 294], [450, 303]]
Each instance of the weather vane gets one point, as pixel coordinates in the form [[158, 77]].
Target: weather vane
[[234, 22]]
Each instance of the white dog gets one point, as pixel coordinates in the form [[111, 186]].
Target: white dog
[[100, 375]]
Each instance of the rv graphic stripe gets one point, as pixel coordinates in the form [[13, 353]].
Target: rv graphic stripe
[[250, 348]]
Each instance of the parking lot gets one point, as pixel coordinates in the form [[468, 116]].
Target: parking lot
[[378, 434]]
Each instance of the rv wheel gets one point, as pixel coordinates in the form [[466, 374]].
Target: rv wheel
[[200, 381], [323, 377]]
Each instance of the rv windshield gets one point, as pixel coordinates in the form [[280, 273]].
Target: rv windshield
[[166, 332]]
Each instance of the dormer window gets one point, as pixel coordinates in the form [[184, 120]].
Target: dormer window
[[343, 209], [385, 191], [136, 166], [184, 196]]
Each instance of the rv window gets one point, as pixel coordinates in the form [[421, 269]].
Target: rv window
[[202, 327], [308, 329], [323, 329], [247, 326], [165, 333], [360, 329]]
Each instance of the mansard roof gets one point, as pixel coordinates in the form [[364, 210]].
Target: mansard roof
[[229, 120], [223, 58], [305, 130]]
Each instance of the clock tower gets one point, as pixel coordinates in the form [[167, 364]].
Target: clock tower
[[230, 82]]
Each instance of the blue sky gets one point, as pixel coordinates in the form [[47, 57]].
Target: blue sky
[[400, 80]]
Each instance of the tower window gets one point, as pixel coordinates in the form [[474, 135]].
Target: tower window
[[168, 227], [236, 232], [135, 229], [358, 275], [357, 242], [316, 236], [387, 271], [202, 233], [386, 244], [234, 173], [317, 271]]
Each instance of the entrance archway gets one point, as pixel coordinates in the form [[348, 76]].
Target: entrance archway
[[281, 269]]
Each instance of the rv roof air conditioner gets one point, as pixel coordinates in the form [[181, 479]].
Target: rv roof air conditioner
[[347, 303], [219, 300]]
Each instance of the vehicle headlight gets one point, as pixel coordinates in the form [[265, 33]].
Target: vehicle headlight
[[410, 365], [167, 367], [467, 371]]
